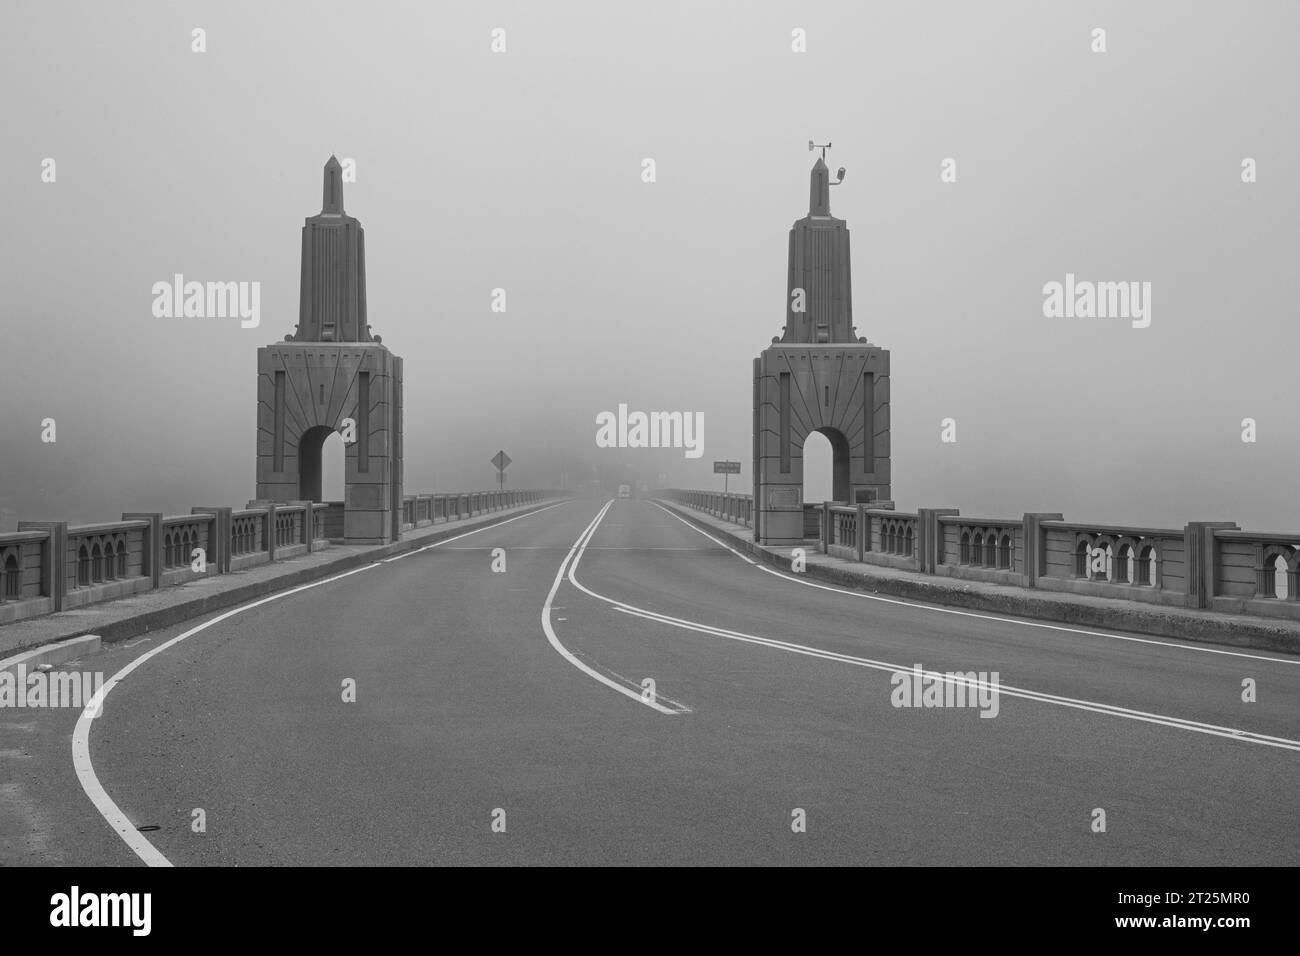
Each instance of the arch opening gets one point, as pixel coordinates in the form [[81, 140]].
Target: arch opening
[[12, 583], [826, 466], [321, 464]]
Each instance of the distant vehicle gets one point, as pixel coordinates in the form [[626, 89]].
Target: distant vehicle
[[625, 491]]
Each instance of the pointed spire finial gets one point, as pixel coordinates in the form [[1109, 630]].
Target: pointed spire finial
[[819, 190], [332, 202]]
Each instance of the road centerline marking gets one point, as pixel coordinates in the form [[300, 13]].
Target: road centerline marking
[[1113, 710], [634, 693]]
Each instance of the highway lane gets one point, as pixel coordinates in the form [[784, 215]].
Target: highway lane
[[464, 706], [1171, 796], [1150, 674]]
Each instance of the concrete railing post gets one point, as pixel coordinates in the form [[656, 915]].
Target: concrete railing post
[[270, 530], [152, 543], [862, 529], [219, 540], [1034, 557], [1199, 553], [54, 560], [930, 537]]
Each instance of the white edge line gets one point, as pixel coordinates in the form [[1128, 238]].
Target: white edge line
[[1112, 710], [984, 617], [81, 762], [496, 524]]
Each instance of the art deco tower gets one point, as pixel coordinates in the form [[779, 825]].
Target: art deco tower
[[331, 375], [818, 376]]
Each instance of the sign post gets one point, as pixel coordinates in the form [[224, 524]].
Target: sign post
[[502, 461], [726, 469]]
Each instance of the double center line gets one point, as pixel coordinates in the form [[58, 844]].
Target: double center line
[[570, 565]]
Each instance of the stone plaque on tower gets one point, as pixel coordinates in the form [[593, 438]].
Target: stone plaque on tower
[[818, 376], [333, 375]]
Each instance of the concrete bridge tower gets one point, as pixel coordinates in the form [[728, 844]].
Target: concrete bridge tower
[[818, 376], [332, 372]]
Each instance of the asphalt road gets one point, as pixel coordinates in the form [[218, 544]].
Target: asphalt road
[[518, 697]]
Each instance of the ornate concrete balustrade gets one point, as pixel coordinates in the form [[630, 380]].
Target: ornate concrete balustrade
[[49, 566], [1255, 572], [1139, 564], [1206, 564], [738, 509], [418, 511], [843, 537], [870, 534], [22, 565]]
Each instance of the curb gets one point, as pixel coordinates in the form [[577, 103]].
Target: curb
[[147, 621], [1152, 620], [55, 653]]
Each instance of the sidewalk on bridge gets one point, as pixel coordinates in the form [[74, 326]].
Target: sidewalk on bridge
[[150, 610], [1077, 610]]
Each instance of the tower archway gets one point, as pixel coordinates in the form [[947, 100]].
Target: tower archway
[[826, 466], [320, 464]]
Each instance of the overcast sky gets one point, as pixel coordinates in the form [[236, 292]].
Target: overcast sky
[[522, 170]]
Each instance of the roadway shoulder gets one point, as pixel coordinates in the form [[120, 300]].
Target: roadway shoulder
[[1058, 607], [151, 610]]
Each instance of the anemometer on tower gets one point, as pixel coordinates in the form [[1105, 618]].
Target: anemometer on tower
[[839, 173]]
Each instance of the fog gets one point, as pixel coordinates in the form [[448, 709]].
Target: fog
[[523, 171]]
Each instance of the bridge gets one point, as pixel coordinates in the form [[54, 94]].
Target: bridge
[[547, 676]]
